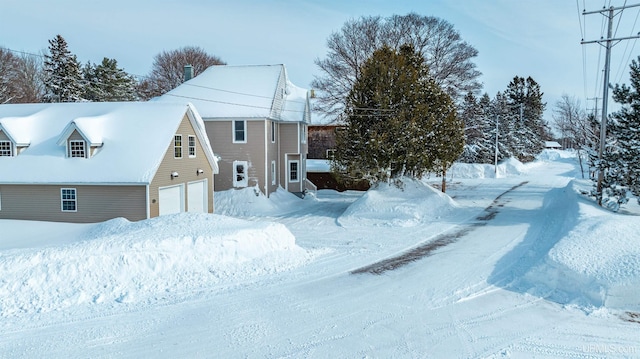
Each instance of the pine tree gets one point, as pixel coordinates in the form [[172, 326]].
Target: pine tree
[[106, 82], [399, 122], [525, 108], [63, 78], [621, 161]]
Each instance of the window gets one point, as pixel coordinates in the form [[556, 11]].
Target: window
[[273, 131], [293, 171], [239, 132], [76, 149], [69, 199], [192, 146], [240, 178], [273, 172], [331, 154], [177, 146], [6, 148]]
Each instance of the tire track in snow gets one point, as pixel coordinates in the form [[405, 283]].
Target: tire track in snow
[[440, 241]]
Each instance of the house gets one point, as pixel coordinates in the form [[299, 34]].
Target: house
[[90, 162], [256, 120], [552, 145], [322, 144]]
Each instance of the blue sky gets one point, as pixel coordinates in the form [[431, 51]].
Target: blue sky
[[537, 38]]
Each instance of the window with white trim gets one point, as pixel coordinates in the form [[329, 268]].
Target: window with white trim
[[294, 167], [6, 149], [192, 146], [77, 149], [239, 131], [273, 172], [177, 146], [240, 178], [68, 200]]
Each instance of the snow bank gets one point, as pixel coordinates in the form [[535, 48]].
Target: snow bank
[[121, 261], [387, 205], [250, 201], [596, 264], [506, 168]]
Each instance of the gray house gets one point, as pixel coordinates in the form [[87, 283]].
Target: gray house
[[256, 120], [90, 162]]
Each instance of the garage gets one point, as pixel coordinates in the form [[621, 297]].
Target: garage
[[171, 199], [197, 200]]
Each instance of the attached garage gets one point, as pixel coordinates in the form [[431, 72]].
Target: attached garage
[[171, 199], [197, 200]]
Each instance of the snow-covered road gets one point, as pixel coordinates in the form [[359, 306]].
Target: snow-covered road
[[469, 298]]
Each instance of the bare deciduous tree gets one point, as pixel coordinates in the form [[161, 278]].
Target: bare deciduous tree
[[8, 65], [20, 78], [168, 69], [445, 53], [29, 79], [575, 127]]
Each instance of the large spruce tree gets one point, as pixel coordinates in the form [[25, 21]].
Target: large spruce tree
[[399, 122], [62, 75]]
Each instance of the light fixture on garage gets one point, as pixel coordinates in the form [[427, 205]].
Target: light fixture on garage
[[199, 171], [174, 174]]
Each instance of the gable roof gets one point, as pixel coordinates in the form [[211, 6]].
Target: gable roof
[[135, 138], [248, 91]]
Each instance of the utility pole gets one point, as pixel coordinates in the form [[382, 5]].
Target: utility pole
[[608, 43]]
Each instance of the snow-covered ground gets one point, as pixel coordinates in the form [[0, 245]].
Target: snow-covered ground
[[516, 264]]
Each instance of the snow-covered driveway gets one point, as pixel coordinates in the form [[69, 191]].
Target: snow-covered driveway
[[473, 297]]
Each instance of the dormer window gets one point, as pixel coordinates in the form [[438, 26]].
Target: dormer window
[[80, 140], [77, 149], [6, 149]]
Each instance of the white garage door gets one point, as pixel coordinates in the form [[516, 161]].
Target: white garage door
[[171, 199], [197, 197]]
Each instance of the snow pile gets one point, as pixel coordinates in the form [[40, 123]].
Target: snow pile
[[121, 261], [411, 204], [554, 155], [506, 168], [596, 264], [250, 201]]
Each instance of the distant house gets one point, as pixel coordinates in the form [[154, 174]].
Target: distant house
[[256, 120], [90, 162], [322, 144], [552, 145]]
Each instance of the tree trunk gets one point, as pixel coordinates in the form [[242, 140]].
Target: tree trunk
[[444, 181]]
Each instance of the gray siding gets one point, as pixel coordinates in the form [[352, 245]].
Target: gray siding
[[185, 166], [94, 203], [220, 136], [3, 136]]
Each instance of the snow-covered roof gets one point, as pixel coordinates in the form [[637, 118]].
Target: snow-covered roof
[[552, 144], [132, 137], [246, 91]]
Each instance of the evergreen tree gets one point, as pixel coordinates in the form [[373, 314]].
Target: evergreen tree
[[399, 122], [479, 120], [525, 109], [621, 161], [106, 82], [63, 78]]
